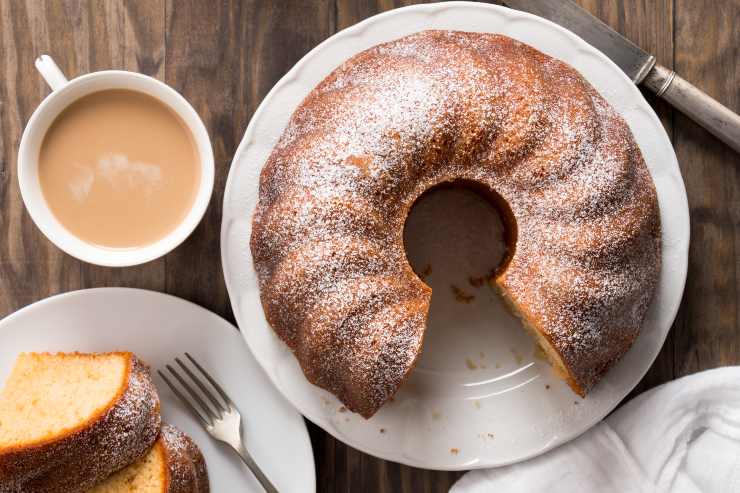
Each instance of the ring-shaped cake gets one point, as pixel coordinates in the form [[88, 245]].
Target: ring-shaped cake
[[471, 109]]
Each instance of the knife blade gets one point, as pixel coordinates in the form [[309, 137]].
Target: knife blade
[[639, 66], [632, 59]]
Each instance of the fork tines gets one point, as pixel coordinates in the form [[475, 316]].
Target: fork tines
[[207, 413]]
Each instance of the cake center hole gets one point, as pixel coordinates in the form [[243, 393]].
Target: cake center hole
[[455, 240], [455, 236]]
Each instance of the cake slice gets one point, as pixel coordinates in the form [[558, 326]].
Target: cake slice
[[68, 421], [173, 465]]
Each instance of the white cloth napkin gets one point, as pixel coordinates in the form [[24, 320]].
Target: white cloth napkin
[[683, 436]]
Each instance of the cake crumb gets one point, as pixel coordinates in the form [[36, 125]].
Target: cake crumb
[[476, 282], [461, 296], [476, 403], [547, 386], [342, 409], [454, 451], [490, 435], [575, 402], [517, 357], [498, 365], [382, 430], [471, 364], [436, 415]]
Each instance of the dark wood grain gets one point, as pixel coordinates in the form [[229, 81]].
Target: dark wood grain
[[707, 53], [82, 37], [225, 56], [31, 268], [205, 46]]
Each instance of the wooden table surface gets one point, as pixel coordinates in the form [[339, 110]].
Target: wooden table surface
[[225, 56]]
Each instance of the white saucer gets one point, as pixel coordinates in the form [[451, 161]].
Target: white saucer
[[458, 410], [158, 327]]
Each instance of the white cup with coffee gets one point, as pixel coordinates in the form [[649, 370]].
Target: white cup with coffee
[[116, 168]]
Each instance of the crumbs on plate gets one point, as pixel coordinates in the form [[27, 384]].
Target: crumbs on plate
[[476, 282], [460, 295]]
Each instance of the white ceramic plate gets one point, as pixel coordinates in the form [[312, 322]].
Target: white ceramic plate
[[158, 327], [479, 396]]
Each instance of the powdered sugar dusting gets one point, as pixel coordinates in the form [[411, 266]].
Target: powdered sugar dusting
[[185, 463], [77, 462], [437, 107]]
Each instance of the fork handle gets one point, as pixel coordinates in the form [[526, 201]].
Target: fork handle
[[252, 465]]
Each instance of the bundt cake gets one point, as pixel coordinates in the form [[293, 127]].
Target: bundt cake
[[477, 110], [173, 465], [67, 421]]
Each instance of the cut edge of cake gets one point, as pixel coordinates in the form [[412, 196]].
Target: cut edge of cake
[[174, 464], [76, 457]]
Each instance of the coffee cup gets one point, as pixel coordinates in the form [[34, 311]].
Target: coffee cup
[[64, 93]]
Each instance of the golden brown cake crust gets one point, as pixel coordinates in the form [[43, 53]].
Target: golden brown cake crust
[[443, 107], [88, 454], [186, 466]]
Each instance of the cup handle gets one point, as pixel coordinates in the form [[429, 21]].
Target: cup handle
[[51, 73]]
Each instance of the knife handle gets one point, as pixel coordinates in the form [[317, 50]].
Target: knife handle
[[697, 105]]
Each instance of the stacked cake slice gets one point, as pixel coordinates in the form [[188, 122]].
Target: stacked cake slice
[[73, 422]]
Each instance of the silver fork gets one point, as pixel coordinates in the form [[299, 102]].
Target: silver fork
[[222, 420]]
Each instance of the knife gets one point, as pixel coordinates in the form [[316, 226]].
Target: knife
[[639, 66]]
